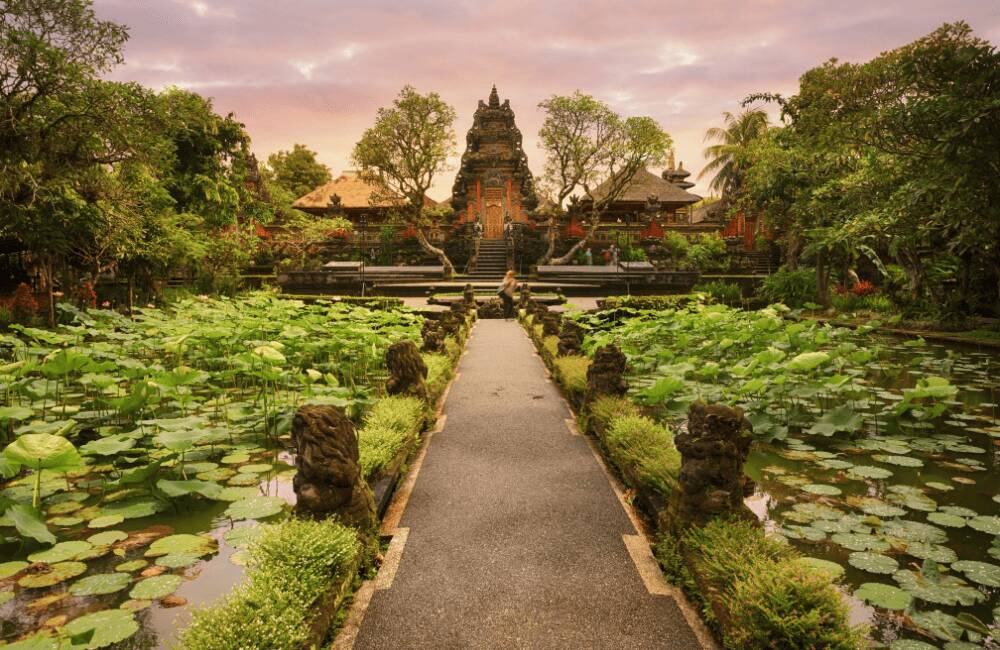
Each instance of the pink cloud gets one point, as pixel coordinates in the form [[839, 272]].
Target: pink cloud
[[315, 72]]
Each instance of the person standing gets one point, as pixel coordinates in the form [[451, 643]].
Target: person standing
[[506, 292], [588, 256]]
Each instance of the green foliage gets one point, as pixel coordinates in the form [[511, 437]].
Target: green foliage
[[727, 551], [297, 172], [788, 605], [676, 246], [571, 372], [389, 426], [439, 373], [727, 157], [291, 565], [607, 408], [721, 291], [792, 288], [551, 346], [647, 302], [707, 252], [640, 444]]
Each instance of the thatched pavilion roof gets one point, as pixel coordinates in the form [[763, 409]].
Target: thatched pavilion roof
[[353, 193], [645, 184]]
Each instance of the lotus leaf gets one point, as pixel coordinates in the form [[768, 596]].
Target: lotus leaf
[[832, 570], [915, 531], [110, 626], [807, 361], [869, 471], [958, 511], [860, 542], [182, 544], [156, 587], [986, 524], [242, 537], [883, 596], [107, 537], [43, 451], [184, 488], [244, 480], [259, 507], [237, 493], [110, 446], [65, 522], [945, 590], [52, 575], [873, 562], [13, 567], [177, 560], [235, 458], [61, 552], [936, 552], [100, 584], [821, 489], [945, 519], [982, 573], [131, 565], [902, 461], [133, 508], [879, 508], [105, 521], [910, 644]]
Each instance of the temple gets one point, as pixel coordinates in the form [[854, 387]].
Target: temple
[[493, 183]]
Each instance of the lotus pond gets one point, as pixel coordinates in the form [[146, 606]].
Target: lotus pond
[[139, 455], [877, 457]]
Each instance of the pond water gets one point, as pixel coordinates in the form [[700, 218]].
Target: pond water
[[849, 500]]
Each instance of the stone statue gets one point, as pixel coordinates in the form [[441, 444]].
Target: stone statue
[[469, 296], [713, 451], [550, 323], [571, 338], [525, 298], [328, 480], [606, 374], [407, 370], [433, 336]]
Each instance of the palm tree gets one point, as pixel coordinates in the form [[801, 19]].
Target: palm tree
[[732, 142]]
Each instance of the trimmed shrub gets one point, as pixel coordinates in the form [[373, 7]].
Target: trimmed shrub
[[291, 566], [551, 345], [572, 373], [639, 443], [389, 426], [793, 288], [608, 408], [648, 302], [727, 550], [788, 605], [439, 373]]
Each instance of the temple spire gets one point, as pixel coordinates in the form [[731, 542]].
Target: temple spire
[[494, 98]]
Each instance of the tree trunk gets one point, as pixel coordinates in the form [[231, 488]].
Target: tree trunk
[[551, 249], [449, 268], [792, 246], [595, 221], [822, 280], [131, 296], [51, 299]]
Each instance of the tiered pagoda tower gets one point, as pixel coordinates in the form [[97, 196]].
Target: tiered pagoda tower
[[493, 182]]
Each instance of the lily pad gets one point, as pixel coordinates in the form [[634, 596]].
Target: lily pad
[[242, 537], [937, 552], [915, 531], [821, 489], [883, 596], [107, 537], [105, 521], [873, 562], [859, 542], [869, 471], [982, 573], [53, 575], [880, 508], [156, 587], [946, 590], [110, 626], [100, 584], [902, 461], [832, 570], [131, 565], [177, 560], [944, 519], [237, 493], [182, 544], [7, 569], [255, 508], [61, 552], [910, 644], [986, 524]]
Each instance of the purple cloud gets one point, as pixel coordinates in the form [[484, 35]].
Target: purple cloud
[[315, 72]]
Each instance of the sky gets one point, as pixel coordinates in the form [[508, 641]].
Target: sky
[[315, 71]]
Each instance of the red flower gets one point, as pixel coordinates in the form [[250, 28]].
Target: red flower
[[863, 288]]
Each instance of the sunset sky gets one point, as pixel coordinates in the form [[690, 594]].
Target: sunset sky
[[314, 72]]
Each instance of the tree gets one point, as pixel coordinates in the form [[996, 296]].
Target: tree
[[297, 172], [302, 233], [401, 154], [726, 158], [590, 148]]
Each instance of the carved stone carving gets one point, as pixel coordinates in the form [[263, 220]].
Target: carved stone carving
[[328, 480], [432, 335], [713, 451], [492, 308], [550, 324], [407, 370], [571, 338], [525, 297], [606, 374], [469, 296]]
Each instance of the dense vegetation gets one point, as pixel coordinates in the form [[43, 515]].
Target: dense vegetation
[[127, 440], [874, 456]]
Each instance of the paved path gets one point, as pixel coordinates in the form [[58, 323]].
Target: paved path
[[514, 536]]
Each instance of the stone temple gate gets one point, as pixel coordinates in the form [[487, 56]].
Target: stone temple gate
[[493, 183]]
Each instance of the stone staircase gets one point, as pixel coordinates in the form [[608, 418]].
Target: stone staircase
[[492, 261]]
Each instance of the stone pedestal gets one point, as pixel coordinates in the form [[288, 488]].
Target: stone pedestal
[[571, 338], [713, 451], [606, 374], [329, 481]]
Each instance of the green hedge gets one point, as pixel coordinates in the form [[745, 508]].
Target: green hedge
[[388, 427], [292, 565], [645, 450], [571, 372], [439, 373], [769, 600]]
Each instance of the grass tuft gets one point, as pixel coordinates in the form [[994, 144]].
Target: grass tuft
[[572, 373], [640, 443], [388, 427], [291, 566]]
